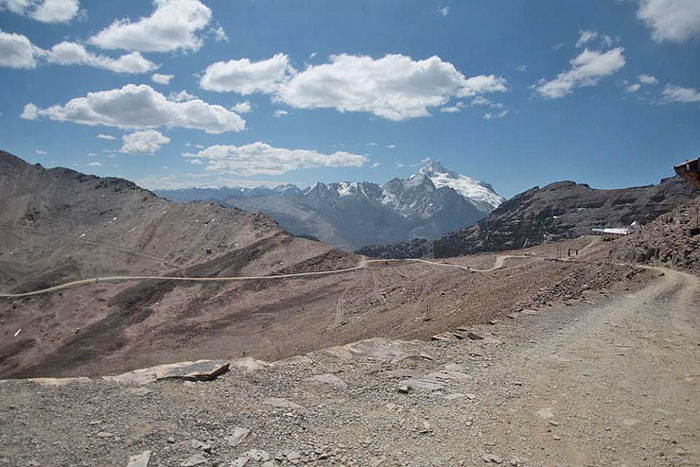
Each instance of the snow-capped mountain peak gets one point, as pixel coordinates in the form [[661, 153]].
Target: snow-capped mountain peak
[[478, 192]]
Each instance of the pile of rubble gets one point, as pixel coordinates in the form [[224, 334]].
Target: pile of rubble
[[672, 240]]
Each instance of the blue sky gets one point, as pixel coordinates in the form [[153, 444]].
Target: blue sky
[[514, 92]]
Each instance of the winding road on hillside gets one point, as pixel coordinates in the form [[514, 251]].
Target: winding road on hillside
[[364, 263]]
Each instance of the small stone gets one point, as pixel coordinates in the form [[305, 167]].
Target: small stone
[[238, 436], [140, 460], [240, 461], [258, 455], [404, 389], [104, 434], [492, 458], [197, 459], [171, 439]]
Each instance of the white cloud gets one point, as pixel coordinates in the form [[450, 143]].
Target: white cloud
[[141, 107], [95, 164], [587, 69], [522, 68], [181, 96], [634, 87], [451, 109], [672, 20], [558, 46], [493, 115], [16, 51], [391, 146], [394, 87], [162, 79], [40, 152], [196, 162], [143, 142], [92, 154], [246, 77], [372, 144], [444, 11], [674, 93], [242, 107], [280, 113], [647, 79], [46, 11], [585, 37], [103, 136], [376, 164], [30, 112], [173, 25], [71, 53], [219, 34], [261, 158]]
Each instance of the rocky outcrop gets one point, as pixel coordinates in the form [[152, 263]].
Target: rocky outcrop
[[557, 211]]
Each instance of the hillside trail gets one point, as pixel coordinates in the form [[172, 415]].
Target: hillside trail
[[616, 386], [362, 264]]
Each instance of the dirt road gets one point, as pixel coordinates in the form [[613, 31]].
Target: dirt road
[[364, 262], [613, 381]]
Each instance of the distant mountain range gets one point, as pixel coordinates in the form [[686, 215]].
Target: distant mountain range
[[558, 210], [350, 215]]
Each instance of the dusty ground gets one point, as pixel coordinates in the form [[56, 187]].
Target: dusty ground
[[610, 380], [113, 327]]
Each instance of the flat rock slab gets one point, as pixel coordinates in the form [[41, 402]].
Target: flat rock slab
[[59, 381], [201, 370], [140, 460], [327, 379], [378, 348]]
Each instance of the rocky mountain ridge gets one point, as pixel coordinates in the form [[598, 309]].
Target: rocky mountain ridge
[[349, 215], [559, 210]]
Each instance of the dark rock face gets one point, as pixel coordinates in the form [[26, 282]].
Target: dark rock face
[[559, 210]]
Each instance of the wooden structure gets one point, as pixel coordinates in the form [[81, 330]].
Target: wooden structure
[[690, 170]]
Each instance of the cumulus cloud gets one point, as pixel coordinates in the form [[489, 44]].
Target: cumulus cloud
[[141, 107], [493, 115], [103, 136], [173, 25], [647, 79], [588, 36], [242, 107], [95, 164], [280, 113], [587, 69], [394, 87], [671, 20], [261, 158], [161, 79], [71, 53], [246, 77], [675, 93], [30, 112], [143, 142], [219, 34], [634, 87], [16, 51], [181, 96], [46, 11], [196, 162]]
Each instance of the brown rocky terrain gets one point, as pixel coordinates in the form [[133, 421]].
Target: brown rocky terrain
[[110, 326], [557, 211]]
